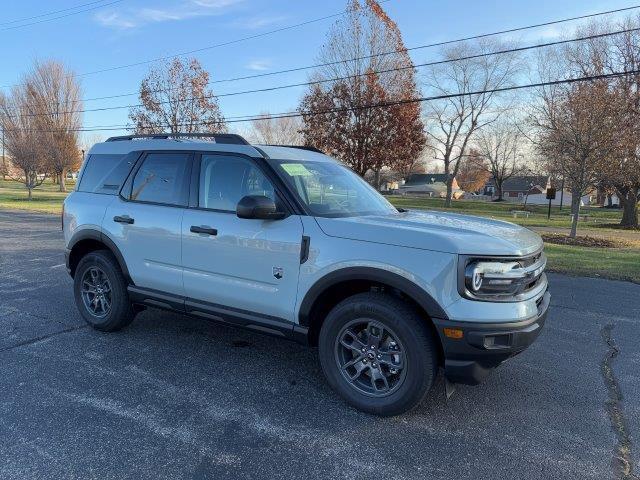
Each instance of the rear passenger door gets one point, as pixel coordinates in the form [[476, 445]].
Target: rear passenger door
[[145, 221], [238, 267]]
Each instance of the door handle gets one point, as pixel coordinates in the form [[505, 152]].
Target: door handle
[[123, 219], [207, 230]]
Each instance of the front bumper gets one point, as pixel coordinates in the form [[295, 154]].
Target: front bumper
[[484, 346]]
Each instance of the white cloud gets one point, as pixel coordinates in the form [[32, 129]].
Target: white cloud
[[259, 65], [131, 18], [253, 23]]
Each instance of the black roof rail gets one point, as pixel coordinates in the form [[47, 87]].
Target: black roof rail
[[301, 147], [228, 138]]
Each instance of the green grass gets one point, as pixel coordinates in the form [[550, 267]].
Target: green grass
[[614, 263], [503, 211], [46, 197]]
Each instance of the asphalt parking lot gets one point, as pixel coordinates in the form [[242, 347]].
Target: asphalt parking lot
[[176, 397]]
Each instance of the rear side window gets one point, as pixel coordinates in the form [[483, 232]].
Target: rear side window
[[163, 178], [105, 173]]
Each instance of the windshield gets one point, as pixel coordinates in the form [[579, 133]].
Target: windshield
[[331, 190]]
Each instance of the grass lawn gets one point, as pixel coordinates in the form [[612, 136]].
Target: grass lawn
[[616, 263], [46, 197]]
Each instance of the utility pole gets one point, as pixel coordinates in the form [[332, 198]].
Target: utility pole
[[4, 165]]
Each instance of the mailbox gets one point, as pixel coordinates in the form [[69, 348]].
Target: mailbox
[[551, 193]]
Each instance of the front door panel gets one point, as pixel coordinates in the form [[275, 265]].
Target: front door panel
[[246, 264], [249, 264]]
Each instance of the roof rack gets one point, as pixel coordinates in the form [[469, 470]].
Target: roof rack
[[229, 138], [301, 147]]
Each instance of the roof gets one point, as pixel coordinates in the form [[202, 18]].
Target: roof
[[425, 179], [523, 183], [126, 144], [437, 187]]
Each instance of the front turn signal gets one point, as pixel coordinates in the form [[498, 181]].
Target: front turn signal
[[454, 333]]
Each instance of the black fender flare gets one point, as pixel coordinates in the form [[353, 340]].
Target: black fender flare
[[93, 234], [409, 288]]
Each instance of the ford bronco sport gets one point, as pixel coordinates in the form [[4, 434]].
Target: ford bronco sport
[[287, 241]]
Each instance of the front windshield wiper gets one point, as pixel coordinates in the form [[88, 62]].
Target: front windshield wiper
[[401, 210]]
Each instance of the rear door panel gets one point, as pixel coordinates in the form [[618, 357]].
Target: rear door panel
[[151, 245]]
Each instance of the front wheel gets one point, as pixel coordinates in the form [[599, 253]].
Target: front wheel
[[378, 353]]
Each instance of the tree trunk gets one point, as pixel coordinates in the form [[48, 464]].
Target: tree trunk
[[447, 202], [500, 192], [63, 186], [575, 211], [376, 179], [629, 204]]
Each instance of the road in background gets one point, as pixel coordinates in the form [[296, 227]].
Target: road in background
[[177, 397]]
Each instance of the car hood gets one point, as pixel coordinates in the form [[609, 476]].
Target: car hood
[[441, 231]]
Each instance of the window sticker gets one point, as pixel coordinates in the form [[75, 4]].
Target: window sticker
[[296, 169]]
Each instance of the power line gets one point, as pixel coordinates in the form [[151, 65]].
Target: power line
[[337, 79], [23, 19], [308, 67], [217, 45], [58, 17], [382, 104]]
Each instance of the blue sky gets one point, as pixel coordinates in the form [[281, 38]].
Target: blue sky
[[130, 31]]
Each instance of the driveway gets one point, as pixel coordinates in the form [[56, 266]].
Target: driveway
[[176, 397]]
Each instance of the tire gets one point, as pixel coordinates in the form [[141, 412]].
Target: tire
[[395, 325], [112, 287]]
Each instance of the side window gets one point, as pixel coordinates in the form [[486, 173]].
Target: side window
[[225, 180], [104, 173], [162, 178]]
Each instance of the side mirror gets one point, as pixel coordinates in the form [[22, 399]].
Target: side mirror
[[258, 207]]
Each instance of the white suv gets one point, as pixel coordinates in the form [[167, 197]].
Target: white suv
[[287, 241]]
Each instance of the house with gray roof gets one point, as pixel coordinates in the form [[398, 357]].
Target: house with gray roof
[[430, 184]]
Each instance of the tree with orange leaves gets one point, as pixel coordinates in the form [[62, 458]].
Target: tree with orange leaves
[[354, 113]]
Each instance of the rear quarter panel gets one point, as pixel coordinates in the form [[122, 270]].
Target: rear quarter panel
[[84, 211]]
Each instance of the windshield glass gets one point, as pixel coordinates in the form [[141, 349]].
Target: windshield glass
[[331, 190]]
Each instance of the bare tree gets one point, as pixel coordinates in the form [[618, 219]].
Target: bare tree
[[176, 97], [499, 145], [276, 131], [623, 170], [620, 169], [452, 122], [55, 98], [22, 141], [343, 116], [576, 134]]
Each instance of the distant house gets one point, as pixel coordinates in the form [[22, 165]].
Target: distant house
[[430, 184], [532, 189], [518, 187]]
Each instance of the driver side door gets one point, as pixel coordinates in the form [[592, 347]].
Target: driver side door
[[247, 266]]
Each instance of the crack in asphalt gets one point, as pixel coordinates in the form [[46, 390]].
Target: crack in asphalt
[[42, 338], [622, 461]]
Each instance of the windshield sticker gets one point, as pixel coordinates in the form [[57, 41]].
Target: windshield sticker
[[296, 169]]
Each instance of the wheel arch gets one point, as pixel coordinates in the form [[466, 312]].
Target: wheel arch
[[89, 240], [340, 284]]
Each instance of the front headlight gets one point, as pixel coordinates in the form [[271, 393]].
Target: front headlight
[[499, 278]]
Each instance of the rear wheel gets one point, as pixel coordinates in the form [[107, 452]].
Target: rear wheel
[[377, 353], [100, 291]]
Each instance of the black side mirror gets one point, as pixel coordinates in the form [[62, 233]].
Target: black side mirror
[[258, 207]]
